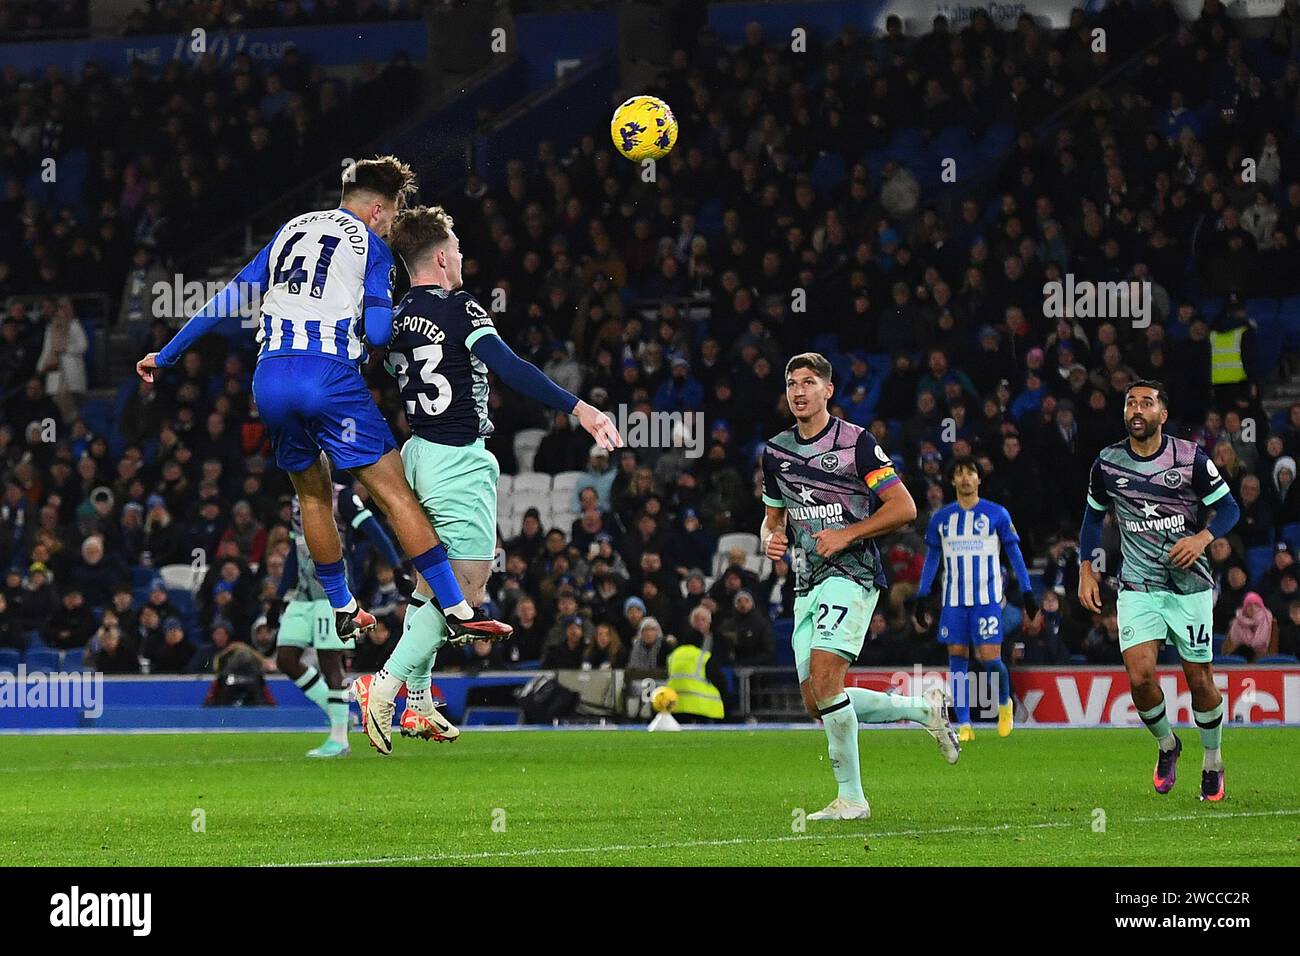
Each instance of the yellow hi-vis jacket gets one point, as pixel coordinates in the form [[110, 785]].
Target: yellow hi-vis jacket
[[1226, 366], [695, 694]]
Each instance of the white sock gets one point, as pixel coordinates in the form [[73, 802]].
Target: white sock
[[1213, 760], [1168, 742], [461, 611], [385, 685], [351, 608], [419, 701]]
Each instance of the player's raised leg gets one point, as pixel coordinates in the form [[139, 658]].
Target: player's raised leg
[[388, 488]]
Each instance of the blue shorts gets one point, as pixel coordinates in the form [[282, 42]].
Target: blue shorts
[[312, 404], [981, 624]]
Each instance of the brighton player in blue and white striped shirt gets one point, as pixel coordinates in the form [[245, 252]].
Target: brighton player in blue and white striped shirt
[[324, 287], [968, 536]]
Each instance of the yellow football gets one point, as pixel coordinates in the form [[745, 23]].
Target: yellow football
[[644, 128], [664, 699]]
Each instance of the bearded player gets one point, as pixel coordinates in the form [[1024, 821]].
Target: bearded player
[[444, 344], [821, 481], [1161, 489]]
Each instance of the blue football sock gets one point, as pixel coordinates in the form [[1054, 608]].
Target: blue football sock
[[959, 668], [334, 579], [997, 669], [435, 568]]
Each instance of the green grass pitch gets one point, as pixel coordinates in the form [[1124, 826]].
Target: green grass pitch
[[638, 799]]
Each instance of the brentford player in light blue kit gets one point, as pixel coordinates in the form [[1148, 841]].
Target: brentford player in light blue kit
[[1161, 489]]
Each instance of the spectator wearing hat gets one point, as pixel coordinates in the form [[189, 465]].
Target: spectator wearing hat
[[749, 631], [567, 653], [129, 541], [160, 601], [96, 573], [690, 546], [681, 392], [650, 647], [39, 599], [1254, 631], [609, 590], [599, 475], [16, 516], [203, 532], [634, 612], [112, 649], [171, 652], [162, 536], [72, 623]]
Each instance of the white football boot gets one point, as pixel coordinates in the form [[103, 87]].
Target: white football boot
[[841, 809], [939, 727]]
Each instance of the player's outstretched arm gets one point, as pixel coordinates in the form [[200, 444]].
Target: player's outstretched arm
[[223, 309], [528, 379]]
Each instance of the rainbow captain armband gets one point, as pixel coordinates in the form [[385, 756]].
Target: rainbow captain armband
[[878, 479]]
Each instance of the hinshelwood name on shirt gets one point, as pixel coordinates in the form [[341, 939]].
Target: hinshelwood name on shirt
[[97, 910]]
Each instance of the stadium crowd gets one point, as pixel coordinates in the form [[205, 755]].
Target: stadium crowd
[[677, 296], [153, 163]]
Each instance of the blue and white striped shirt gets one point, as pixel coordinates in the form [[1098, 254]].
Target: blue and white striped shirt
[[315, 281], [971, 542]]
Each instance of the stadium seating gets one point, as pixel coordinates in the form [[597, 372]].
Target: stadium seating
[[9, 660], [181, 577], [526, 442], [1230, 659], [1279, 659], [1258, 561], [74, 660], [566, 480], [43, 660], [738, 539]]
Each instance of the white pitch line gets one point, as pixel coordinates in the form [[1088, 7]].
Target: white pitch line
[[793, 838]]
